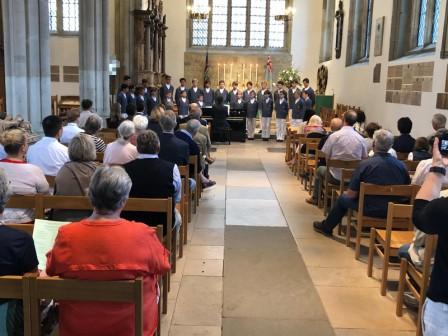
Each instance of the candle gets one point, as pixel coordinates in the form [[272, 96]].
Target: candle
[[242, 76], [250, 72], [231, 72], [256, 73], [217, 78], [224, 79]]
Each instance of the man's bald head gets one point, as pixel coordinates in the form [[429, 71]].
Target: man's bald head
[[350, 118], [336, 124], [195, 111]]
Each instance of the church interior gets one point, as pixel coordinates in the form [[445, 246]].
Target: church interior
[[223, 167]]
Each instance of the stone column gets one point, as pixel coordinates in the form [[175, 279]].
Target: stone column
[[27, 59], [94, 54]]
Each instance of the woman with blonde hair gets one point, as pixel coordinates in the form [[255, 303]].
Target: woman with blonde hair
[[24, 178], [314, 125], [154, 119]]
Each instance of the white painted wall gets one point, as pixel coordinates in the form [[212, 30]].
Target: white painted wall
[[354, 85], [64, 52], [176, 40]]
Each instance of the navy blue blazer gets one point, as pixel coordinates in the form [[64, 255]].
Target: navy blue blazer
[[122, 99], [267, 108], [183, 108], [281, 109], [193, 96], [252, 109]]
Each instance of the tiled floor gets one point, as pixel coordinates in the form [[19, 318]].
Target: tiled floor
[[246, 195]]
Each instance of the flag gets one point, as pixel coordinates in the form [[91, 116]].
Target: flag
[[206, 69], [268, 70]]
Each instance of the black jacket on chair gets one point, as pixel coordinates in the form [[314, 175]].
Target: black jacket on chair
[[173, 149], [151, 178]]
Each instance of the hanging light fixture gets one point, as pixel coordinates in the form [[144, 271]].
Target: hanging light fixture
[[198, 12]]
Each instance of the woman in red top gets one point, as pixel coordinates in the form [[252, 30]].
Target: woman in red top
[[107, 247]]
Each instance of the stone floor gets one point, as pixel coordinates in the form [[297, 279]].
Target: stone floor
[[251, 194]]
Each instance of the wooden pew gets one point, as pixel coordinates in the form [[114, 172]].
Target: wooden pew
[[194, 162]]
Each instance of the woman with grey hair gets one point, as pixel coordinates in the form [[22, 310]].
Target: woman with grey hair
[[108, 247], [121, 151], [24, 178], [73, 178], [141, 125]]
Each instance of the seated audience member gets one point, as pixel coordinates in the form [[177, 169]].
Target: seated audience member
[[153, 177], [17, 257], [24, 178], [172, 149], [121, 151], [438, 121], [72, 128], [187, 135], [429, 216], [360, 124], [107, 247], [141, 125], [154, 119], [115, 116], [91, 128], [335, 125], [314, 126], [420, 151], [74, 177], [404, 143], [345, 144], [86, 113], [370, 130], [381, 169], [196, 114], [194, 108], [309, 113], [48, 154], [140, 109], [131, 111]]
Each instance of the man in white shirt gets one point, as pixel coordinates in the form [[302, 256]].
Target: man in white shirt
[[71, 129], [345, 144], [48, 153], [86, 113]]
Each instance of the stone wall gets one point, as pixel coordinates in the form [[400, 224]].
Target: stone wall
[[194, 65]]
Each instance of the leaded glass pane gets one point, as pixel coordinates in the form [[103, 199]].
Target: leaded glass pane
[[257, 23], [200, 26], [276, 28], [219, 23], [52, 13], [70, 15], [422, 23], [238, 24], [435, 28]]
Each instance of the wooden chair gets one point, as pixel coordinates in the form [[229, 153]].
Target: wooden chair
[[402, 156], [326, 187], [27, 202], [194, 162], [417, 280], [133, 204], [124, 291], [108, 135], [386, 242], [15, 288], [346, 176], [289, 144], [99, 157], [310, 160], [411, 166], [185, 203], [51, 180], [366, 189]]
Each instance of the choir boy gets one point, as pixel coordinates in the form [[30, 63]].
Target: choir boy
[[209, 94], [122, 99], [267, 107], [153, 99], [260, 94], [297, 108], [194, 91], [168, 99], [309, 90], [200, 101], [183, 106], [131, 95], [292, 91], [165, 88], [238, 103], [127, 80], [281, 112], [280, 84], [307, 102], [252, 110], [140, 96], [222, 91], [246, 93], [233, 95], [145, 86], [182, 87]]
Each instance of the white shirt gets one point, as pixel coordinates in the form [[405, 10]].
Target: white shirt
[[168, 86], [200, 103], [184, 99], [177, 181], [86, 115], [195, 89], [207, 90], [221, 90], [252, 100], [48, 154], [391, 151], [267, 100], [69, 132]]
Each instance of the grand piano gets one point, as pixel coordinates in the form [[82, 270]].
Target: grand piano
[[236, 120]]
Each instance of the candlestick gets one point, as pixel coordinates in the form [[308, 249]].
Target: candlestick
[[231, 72], [250, 72], [244, 68], [256, 73], [224, 79], [217, 78]]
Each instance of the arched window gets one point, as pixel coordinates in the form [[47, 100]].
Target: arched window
[[238, 24], [326, 40], [359, 31]]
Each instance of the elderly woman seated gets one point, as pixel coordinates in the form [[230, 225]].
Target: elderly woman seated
[[121, 151], [108, 247], [73, 178], [24, 178], [154, 119], [91, 127], [141, 125]]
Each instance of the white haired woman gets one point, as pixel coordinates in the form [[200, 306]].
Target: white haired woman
[[108, 247], [141, 125], [121, 151]]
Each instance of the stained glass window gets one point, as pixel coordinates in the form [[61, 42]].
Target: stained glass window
[[239, 23], [52, 13]]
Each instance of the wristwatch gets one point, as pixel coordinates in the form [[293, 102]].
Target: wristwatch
[[438, 170]]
